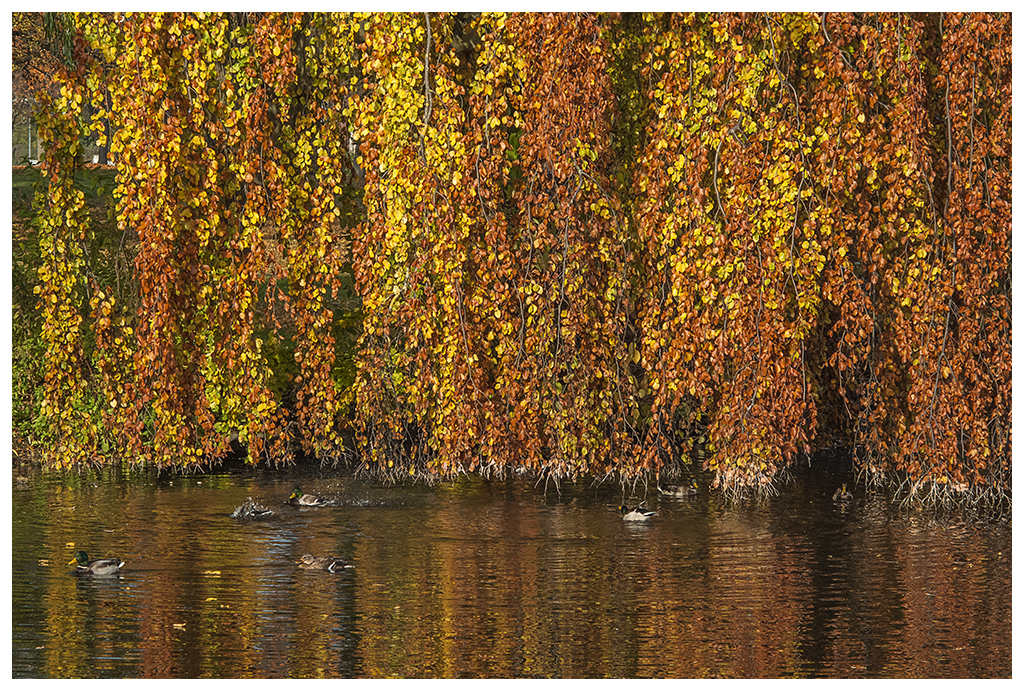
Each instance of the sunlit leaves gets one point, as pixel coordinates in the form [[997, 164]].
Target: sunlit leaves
[[473, 268], [62, 226], [213, 143], [793, 150], [586, 243]]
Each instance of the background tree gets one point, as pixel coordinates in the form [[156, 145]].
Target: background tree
[[33, 64], [590, 244]]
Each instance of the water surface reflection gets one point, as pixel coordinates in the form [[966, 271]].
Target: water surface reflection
[[486, 579]]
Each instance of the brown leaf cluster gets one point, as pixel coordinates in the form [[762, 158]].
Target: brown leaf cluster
[[586, 244]]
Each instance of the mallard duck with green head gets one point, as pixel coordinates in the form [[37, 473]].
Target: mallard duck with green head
[[332, 564], [841, 495], [299, 498], [100, 567], [680, 490], [637, 514]]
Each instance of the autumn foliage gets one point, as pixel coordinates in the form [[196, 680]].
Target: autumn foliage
[[604, 245]]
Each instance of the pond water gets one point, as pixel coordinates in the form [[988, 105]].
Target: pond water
[[497, 579]]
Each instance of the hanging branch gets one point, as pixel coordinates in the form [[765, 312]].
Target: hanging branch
[[427, 97]]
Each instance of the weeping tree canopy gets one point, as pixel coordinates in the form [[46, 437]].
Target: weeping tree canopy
[[428, 244]]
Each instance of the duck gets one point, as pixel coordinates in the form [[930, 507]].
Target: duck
[[252, 510], [298, 498], [637, 514], [680, 490], [841, 495], [100, 567], [332, 564]]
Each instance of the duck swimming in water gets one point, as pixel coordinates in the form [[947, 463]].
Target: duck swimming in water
[[251, 510], [841, 495], [637, 514], [100, 567], [332, 564], [298, 498], [680, 490]]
